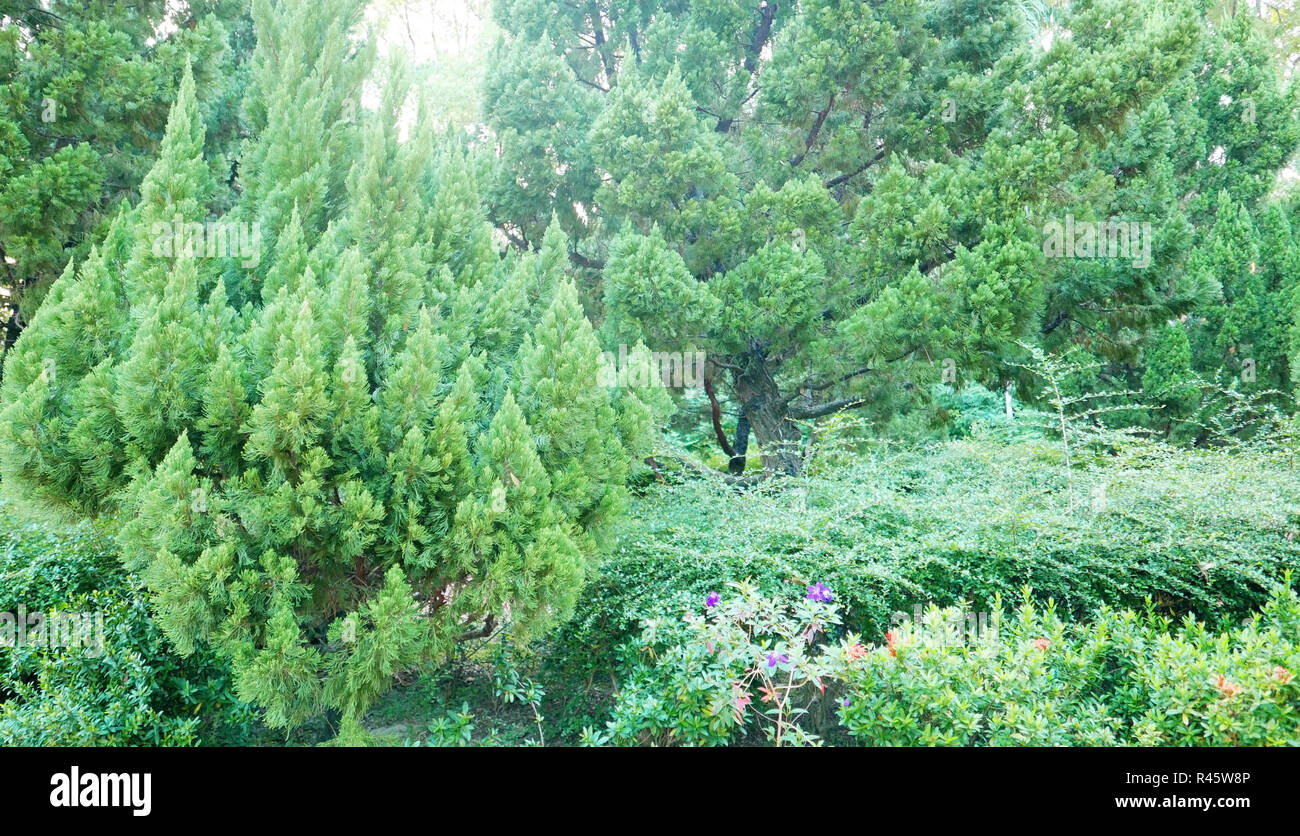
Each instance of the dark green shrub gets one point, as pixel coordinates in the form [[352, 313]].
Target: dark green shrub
[[128, 687]]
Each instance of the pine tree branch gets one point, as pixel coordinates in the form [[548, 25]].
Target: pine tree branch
[[586, 261], [816, 129], [481, 632], [821, 387], [844, 178], [599, 87], [766, 18], [821, 409]]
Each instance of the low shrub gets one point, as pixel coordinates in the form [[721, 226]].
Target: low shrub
[[756, 669], [119, 683], [698, 689], [1201, 532]]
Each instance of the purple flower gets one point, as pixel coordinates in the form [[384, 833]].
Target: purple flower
[[712, 600], [846, 702], [773, 659], [819, 593]]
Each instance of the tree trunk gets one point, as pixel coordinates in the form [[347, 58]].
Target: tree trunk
[[766, 413], [736, 467]]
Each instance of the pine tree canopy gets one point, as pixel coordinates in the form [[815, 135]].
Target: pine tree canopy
[[837, 200], [85, 88]]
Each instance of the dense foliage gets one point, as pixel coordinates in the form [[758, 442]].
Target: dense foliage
[[962, 303], [842, 202], [757, 668], [132, 689], [967, 521], [336, 459], [85, 88]]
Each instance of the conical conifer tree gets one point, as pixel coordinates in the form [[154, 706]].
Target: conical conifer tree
[[559, 370], [318, 450]]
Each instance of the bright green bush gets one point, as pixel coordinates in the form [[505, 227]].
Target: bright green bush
[[1023, 684], [137, 692], [1233, 689], [43, 565], [335, 462], [1122, 679]]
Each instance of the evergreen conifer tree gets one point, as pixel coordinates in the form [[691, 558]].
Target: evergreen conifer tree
[[330, 467], [830, 198], [87, 89]]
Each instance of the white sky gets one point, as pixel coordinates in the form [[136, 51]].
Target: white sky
[[429, 29]]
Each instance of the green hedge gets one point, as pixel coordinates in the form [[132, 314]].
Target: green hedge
[[1206, 533]]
